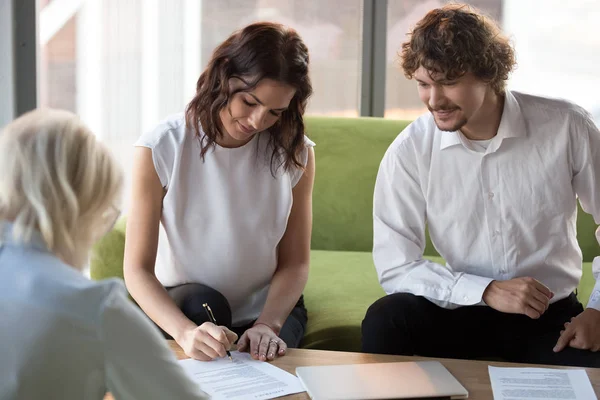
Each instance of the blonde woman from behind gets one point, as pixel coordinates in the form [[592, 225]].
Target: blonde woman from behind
[[63, 336]]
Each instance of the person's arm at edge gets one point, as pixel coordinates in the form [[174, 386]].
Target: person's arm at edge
[[582, 332], [141, 244], [586, 181]]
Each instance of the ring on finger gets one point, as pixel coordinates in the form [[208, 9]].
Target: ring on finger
[[274, 341]]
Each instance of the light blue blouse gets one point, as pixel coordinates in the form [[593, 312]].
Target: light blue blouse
[[63, 336]]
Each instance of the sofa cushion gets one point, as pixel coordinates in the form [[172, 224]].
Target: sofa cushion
[[586, 228], [341, 287], [348, 153], [586, 285], [107, 254]]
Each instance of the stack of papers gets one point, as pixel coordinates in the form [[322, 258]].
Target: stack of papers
[[540, 383], [241, 379]]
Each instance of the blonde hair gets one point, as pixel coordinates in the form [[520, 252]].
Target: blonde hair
[[57, 179]]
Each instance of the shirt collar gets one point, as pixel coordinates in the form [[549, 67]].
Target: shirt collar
[[7, 237], [512, 124], [449, 139]]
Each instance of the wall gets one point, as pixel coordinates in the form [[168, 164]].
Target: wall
[[6, 63]]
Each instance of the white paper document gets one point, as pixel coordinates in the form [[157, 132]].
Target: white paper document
[[540, 383], [244, 378]]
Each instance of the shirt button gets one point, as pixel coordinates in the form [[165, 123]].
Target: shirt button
[[497, 232], [491, 195], [466, 298]]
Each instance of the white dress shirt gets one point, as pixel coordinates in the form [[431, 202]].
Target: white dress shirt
[[65, 337], [505, 212]]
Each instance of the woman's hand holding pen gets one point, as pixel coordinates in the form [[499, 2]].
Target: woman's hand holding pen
[[207, 341], [262, 343]]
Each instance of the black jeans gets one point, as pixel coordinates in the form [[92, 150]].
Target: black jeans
[[406, 324], [190, 297]]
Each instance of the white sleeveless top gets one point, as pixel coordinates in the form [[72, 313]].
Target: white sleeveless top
[[222, 218]]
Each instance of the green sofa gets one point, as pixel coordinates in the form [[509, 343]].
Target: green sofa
[[342, 281]]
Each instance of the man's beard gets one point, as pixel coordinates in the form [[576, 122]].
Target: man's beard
[[462, 122], [454, 127]]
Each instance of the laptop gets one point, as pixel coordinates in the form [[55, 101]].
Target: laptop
[[396, 380]]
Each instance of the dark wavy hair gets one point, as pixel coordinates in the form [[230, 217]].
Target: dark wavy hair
[[258, 51], [456, 39]]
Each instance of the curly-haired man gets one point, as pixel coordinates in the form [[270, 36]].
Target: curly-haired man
[[495, 174]]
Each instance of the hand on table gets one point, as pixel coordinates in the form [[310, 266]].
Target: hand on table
[[262, 343], [583, 332], [207, 341], [518, 296]]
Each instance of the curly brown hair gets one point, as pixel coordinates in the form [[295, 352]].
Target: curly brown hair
[[456, 39], [259, 51]]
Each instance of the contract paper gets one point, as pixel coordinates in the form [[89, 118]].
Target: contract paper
[[244, 378], [540, 383]]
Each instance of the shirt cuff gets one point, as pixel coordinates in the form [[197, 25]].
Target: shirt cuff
[[469, 289], [594, 301]]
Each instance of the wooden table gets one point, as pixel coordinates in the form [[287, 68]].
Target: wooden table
[[473, 375]]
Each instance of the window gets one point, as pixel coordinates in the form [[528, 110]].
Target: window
[[559, 54], [125, 65]]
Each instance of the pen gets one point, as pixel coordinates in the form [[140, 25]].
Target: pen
[[214, 321]]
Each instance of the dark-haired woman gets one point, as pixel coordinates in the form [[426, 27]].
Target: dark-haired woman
[[221, 207]]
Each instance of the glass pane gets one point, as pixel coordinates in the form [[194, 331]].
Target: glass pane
[[125, 65], [332, 31], [559, 54]]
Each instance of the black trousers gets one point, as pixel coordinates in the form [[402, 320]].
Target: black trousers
[[406, 324], [190, 297]]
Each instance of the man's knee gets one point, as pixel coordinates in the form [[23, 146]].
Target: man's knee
[[393, 307], [387, 324]]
